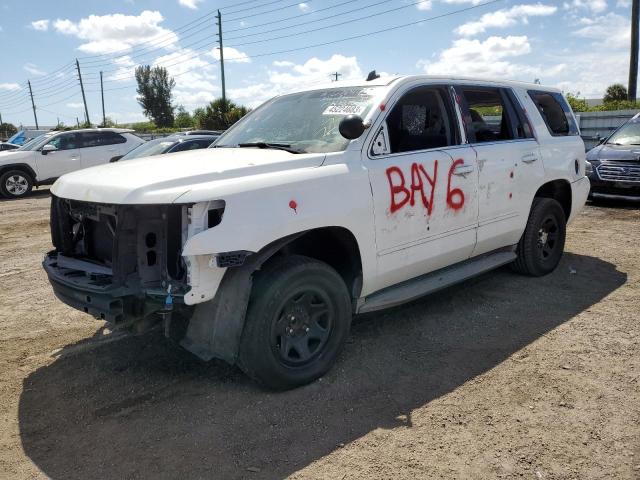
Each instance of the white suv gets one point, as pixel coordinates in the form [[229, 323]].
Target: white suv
[[316, 206], [45, 158]]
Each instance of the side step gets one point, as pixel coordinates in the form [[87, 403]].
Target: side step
[[417, 287]]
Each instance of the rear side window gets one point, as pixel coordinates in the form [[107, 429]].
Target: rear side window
[[555, 112], [99, 139], [490, 117]]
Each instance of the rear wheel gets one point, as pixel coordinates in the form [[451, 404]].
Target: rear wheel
[[542, 244], [15, 184], [298, 320]]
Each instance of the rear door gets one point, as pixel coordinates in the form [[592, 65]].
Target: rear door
[[509, 164], [100, 147]]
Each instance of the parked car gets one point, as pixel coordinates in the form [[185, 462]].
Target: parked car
[[217, 133], [170, 144], [316, 206], [613, 166], [23, 136], [4, 146], [42, 160]]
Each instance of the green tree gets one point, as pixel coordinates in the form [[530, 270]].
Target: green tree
[[107, 123], [154, 94], [615, 93], [577, 104], [183, 118], [7, 130], [221, 114]]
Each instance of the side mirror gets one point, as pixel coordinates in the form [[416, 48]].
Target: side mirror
[[351, 127], [116, 158], [48, 148], [602, 140]]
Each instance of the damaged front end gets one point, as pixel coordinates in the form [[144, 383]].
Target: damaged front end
[[119, 263]]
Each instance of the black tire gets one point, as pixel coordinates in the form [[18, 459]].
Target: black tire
[[297, 322], [542, 244], [15, 184]]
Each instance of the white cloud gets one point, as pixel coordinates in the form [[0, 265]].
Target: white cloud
[[9, 86], [505, 18], [424, 5], [611, 30], [33, 69], [595, 6], [192, 4], [612, 67], [193, 76], [231, 55], [117, 32], [304, 7], [623, 3], [288, 77], [40, 25], [489, 59]]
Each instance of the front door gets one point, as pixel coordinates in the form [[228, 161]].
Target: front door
[[66, 158], [424, 186]]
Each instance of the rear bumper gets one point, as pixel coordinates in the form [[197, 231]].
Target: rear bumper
[[579, 194]]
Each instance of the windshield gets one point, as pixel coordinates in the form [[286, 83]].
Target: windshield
[[152, 147], [306, 121], [628, 134], [36, 143]]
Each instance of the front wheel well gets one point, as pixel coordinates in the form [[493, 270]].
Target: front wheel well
[[21, 167], [559, 190], [335, 246]]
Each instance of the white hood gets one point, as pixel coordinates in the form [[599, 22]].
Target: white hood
[[164, 178]]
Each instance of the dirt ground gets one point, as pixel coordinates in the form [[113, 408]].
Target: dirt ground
[[500, 377]]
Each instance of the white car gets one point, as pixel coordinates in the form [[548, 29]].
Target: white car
[[45, 158], [319, 205]]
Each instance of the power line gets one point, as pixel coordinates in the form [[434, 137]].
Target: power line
[[310, 21], [290, 18], [366, 17], [266, 11], [330, 42]]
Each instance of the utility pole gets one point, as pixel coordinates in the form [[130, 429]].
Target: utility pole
[[33, 105], [633, 60], [104, 118], [77, 122], [84, 99], [224, 93], [336, 75]]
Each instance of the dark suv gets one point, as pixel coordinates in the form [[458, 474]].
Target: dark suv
[[613, 167]]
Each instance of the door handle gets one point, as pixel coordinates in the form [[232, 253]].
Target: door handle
[[529, 158], [463, 169]]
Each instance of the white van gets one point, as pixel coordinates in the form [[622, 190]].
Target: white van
[[319, 205]]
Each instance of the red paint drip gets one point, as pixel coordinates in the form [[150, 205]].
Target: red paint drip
[[510, 195], [382, 107], [511, 175], [293, 206]]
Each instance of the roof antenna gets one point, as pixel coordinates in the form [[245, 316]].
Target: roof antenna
[[372, 75]]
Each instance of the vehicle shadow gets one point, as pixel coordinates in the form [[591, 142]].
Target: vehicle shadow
[[35, 193], [136, 408]]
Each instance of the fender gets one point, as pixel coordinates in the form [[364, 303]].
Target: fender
[[216, 326], [20, 166]]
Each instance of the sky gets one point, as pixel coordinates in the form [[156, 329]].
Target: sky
[[273, 47]]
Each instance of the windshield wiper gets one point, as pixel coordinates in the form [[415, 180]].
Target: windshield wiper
[[276, 146]]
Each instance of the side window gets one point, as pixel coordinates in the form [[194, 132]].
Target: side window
[[99, 139], [113, 138], [489, 118], [190, 145], [422, 119], [555, 112], [66, 141]]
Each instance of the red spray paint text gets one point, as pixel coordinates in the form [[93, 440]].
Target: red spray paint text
[[401, 195]]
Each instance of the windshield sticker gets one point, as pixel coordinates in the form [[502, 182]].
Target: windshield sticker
[[345, 109]]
